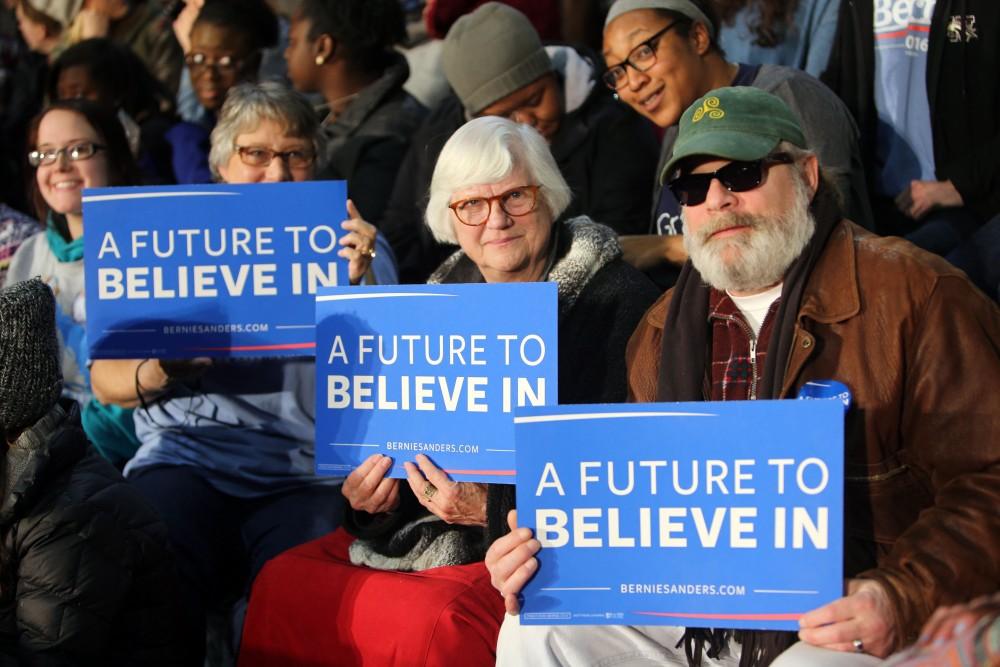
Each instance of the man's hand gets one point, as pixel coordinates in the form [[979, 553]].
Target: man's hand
[[922, 197], [511, 562], [864, 614], [462, 503], [367, 489]]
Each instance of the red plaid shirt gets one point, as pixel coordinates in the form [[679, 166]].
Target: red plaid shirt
[[737, 360]]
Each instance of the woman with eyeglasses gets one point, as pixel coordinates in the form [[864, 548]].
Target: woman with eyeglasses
[[225, 45], [661, 56], [75, 144], [227, 451], [497, 192]]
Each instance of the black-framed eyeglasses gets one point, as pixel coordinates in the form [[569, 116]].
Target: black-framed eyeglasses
[[83, 150], [198, 62], [259, 156], [737, 176], [515, 202], [641, 58]]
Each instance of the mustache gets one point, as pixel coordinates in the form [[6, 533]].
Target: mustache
[[724, 221]]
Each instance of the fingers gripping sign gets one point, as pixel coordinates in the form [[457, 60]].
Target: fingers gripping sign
[[461, 503], [862, 621], [367, 488], [511, 562]]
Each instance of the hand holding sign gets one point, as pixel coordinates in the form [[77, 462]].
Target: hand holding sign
[[511, 562], [862, 621], [359, 244], [462, 503], [367, 489]]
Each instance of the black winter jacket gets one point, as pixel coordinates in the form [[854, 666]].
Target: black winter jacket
[[605, 151], [87, 578]]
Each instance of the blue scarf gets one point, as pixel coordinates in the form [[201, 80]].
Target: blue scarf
[[65, 251]]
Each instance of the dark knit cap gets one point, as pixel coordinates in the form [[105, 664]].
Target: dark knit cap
[[30, 377], [491, 53]]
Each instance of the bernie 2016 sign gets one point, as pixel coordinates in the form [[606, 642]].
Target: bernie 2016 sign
[[725, 515], [210, 270], [432, 369]]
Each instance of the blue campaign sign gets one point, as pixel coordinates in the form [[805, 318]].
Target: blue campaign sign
[[209, 270], [726, 515], [432, 369]]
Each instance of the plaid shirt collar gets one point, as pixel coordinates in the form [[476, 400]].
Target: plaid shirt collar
[[737, 356]]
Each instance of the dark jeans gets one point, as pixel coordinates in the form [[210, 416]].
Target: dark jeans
[[221, 542]]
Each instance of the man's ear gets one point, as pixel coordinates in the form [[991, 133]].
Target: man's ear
[[810, 170]]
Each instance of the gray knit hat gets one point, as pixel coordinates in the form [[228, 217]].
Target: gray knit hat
[[30, 378], [683, 7], [491, 53], [61, 11]]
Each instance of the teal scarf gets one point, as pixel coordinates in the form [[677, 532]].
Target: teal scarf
[[65, 251]]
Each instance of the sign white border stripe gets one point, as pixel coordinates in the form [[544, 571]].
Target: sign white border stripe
[[385, 295], [156, 195], [581, 416]]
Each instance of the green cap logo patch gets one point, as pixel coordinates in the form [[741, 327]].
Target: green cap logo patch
[[710, 108]]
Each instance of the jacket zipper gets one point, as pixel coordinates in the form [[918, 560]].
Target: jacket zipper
[[753, 350]]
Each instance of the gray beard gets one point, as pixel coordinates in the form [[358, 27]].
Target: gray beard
[[756, 260]]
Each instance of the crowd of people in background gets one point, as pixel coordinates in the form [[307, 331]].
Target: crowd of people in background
[[168, 512]]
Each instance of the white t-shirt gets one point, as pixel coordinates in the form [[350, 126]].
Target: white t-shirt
[[754, 308]]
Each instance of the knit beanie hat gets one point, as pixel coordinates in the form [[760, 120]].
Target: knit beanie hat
[[30, 378], [61, 11], [491, 53], [682, 7]]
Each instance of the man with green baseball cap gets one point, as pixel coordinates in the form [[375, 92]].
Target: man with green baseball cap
[[782, 295]]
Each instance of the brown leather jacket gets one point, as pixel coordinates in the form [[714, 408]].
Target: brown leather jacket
[[919, 347]]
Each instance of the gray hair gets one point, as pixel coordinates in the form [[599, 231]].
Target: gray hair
[[486, 150], [247, 104]]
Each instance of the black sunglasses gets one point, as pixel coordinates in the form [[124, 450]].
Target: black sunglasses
[[737, 176]]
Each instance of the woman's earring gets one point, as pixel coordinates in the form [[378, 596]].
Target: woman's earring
[[615, 95], [320, 60]]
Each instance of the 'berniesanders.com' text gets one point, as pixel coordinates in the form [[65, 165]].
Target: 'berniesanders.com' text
[[251, 327], [397, 446], [728, 590]]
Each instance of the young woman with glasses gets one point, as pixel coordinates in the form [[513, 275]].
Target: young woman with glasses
[[74, 144], [661, 56]]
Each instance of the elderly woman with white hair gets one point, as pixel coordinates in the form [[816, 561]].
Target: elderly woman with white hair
[[227, 446], [496, 192]]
